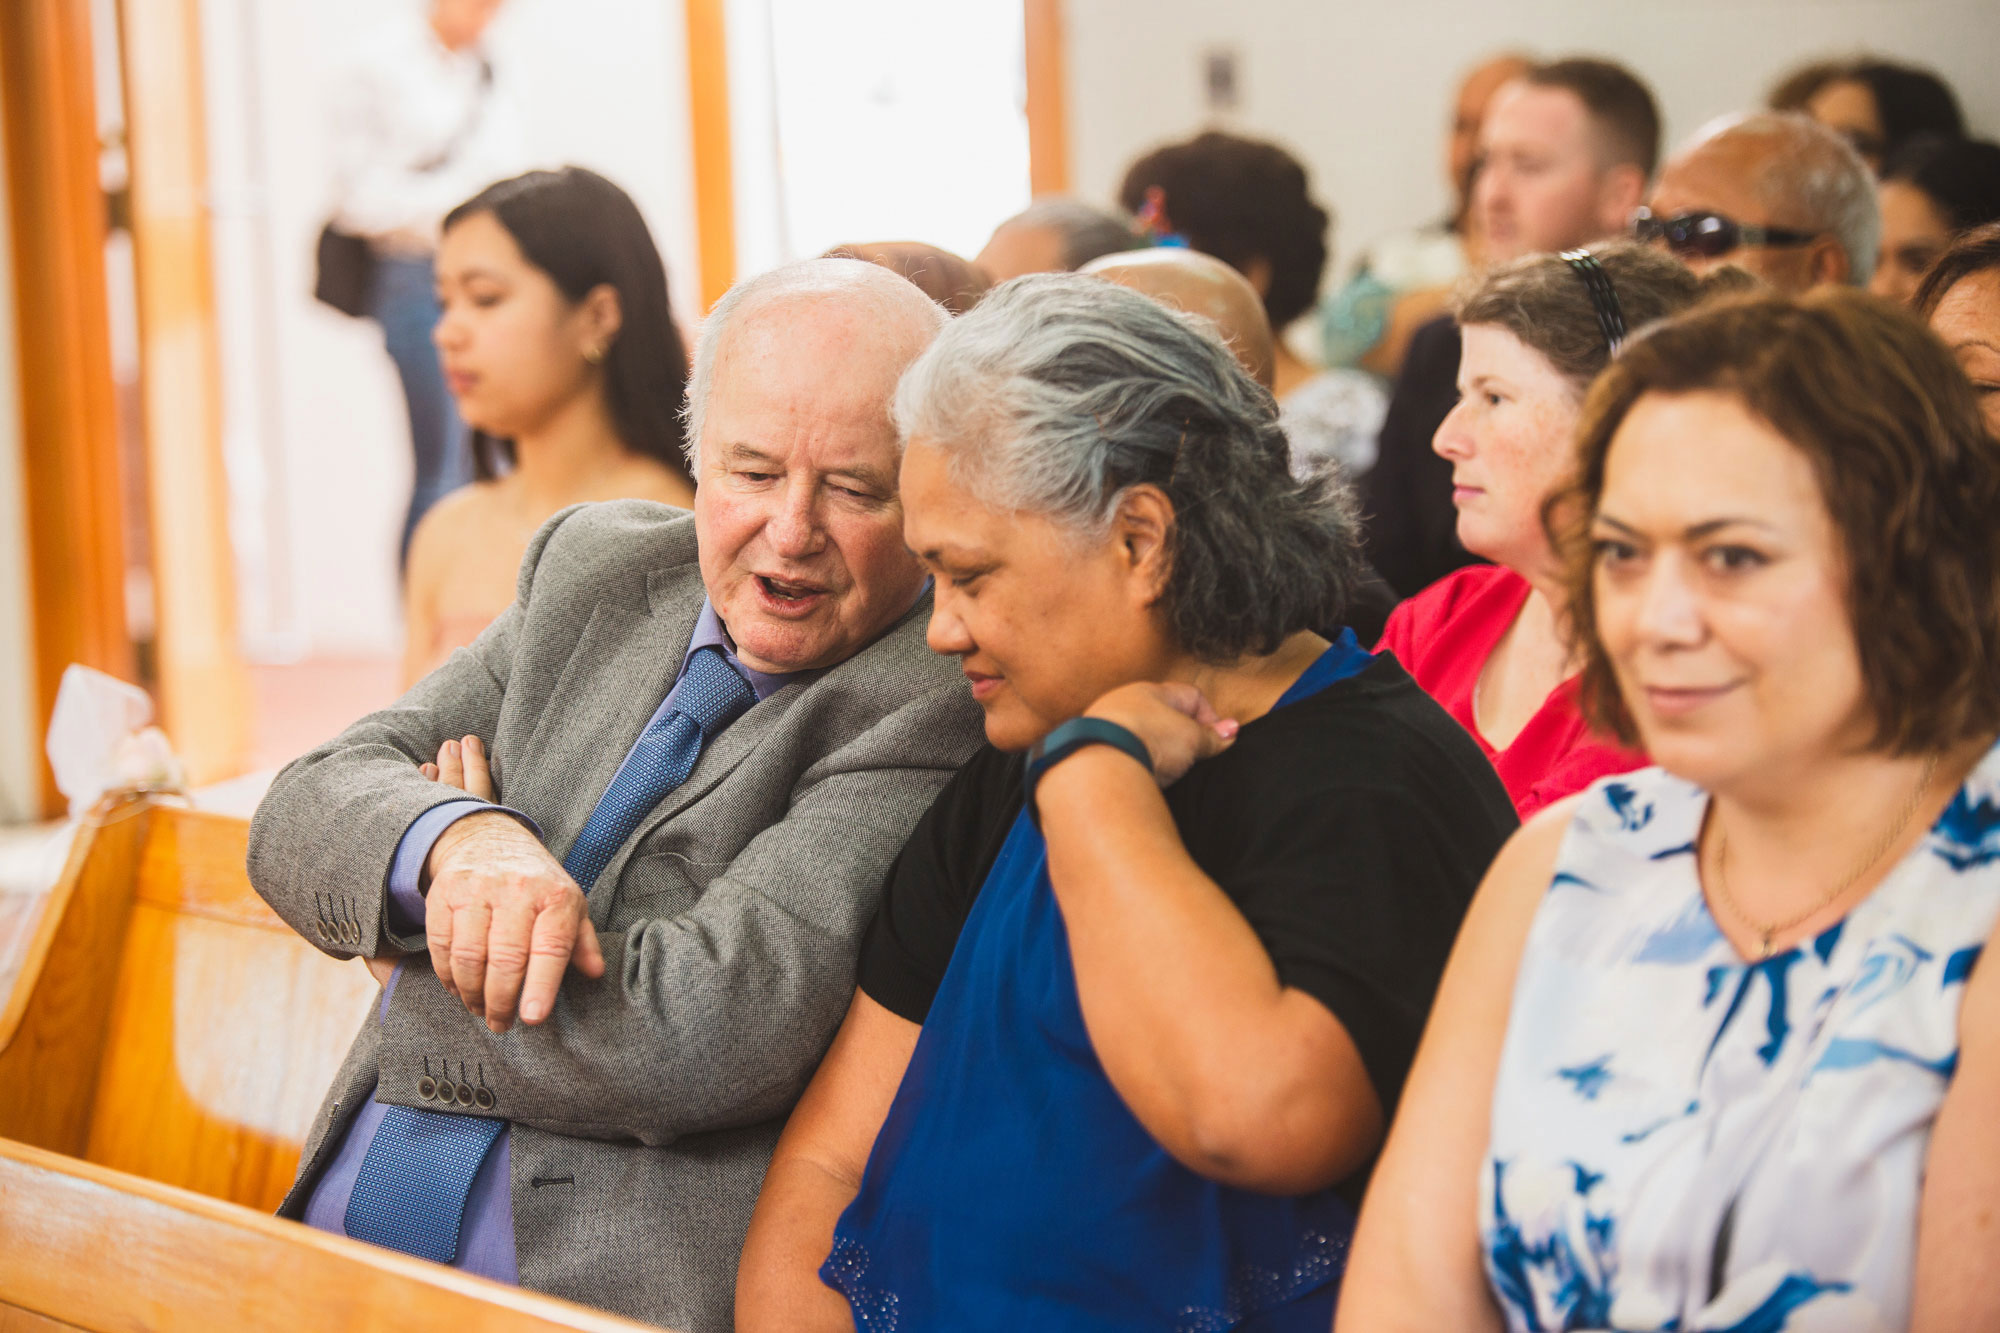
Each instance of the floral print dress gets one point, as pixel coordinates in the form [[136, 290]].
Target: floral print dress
[[1686, 1140]]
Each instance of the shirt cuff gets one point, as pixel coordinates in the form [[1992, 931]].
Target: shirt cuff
[[403, 910]]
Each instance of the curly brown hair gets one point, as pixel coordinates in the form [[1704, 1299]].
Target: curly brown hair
[[1241, 200], [1909, 476]]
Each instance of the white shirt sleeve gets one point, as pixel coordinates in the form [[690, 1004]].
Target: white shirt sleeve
[[403, 103]]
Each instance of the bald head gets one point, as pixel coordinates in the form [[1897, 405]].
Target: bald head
[[953, 282], [849, 324], [1782, 170], [1057, 234], [1200, 285]]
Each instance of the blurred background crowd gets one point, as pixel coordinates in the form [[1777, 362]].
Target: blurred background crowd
[[1326, 153]]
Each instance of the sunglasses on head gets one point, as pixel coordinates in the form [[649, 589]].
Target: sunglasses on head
[[1711, 235]]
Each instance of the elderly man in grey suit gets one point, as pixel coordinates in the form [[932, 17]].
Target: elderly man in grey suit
[[690, 751]]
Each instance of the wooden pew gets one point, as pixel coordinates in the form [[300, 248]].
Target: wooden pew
[[82, 1247], [165, 1022]]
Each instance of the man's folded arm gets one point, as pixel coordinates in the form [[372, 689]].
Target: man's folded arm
[[714, 1018], [324, 837]]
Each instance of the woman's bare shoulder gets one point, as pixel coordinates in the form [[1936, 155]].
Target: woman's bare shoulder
[[1541, 836], [462, 520], [460, 511], [649, 479], [1520, 874]]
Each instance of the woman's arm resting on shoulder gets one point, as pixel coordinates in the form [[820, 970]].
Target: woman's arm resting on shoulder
[[816, 1172], [1958, 1222], [1415, 1264]]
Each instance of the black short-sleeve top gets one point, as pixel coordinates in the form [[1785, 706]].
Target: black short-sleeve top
[[1350, 828]]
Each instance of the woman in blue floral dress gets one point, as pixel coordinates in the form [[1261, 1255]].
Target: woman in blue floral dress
[[1748, 1073]]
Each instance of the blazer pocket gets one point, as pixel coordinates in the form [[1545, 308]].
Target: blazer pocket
[[664, 883]]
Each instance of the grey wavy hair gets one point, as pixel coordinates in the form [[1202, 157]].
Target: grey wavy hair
[[1059, 392], [891, 301], [1811, 178]]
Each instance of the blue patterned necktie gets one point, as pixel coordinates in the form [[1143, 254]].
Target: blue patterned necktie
[[411, 1190], [711, 695]]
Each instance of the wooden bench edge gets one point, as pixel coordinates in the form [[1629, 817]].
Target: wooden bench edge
[[25, 1165], [14, 1005]]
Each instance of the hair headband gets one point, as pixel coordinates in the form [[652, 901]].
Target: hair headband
[[1603, 296]]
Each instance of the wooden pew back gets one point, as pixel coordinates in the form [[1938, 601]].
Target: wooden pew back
[[82, 1247], [166, 1023]]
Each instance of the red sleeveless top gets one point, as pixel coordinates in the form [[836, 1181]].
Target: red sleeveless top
[[1444, 635]]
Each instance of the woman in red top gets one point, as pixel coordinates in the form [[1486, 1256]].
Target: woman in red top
[[1488, 641]]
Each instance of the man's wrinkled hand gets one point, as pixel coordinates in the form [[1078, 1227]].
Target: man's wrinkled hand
[[461, 764], [504, 920]]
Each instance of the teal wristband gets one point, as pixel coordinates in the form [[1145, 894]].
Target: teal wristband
[[1074, 735]]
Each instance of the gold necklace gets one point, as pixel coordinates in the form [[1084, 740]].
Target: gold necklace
[[1767, 932]]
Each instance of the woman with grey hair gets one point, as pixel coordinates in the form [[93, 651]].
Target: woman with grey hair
[[1133, 1013]]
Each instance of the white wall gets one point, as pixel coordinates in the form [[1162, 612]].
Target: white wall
[[1362, 91], [881, 138], [316, 440], [20, 739], [874, 120]]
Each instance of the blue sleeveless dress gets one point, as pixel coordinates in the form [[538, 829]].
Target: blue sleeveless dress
[[1010, 1188], [1685, 1140]]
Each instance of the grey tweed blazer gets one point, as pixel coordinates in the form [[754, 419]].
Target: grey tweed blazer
[[646, 1107]]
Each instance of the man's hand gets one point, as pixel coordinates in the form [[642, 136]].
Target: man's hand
[[1177, 723], [462, 764], [503, 920]]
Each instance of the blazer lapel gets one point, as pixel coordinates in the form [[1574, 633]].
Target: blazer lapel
[[622, 666], [737, 743], [718, 759]]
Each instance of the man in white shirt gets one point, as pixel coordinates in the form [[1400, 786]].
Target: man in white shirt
[[418, 127]]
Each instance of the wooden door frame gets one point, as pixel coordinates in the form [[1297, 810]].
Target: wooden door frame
[[1048, 97], [203, 684], [708, 126], [56, 213]]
